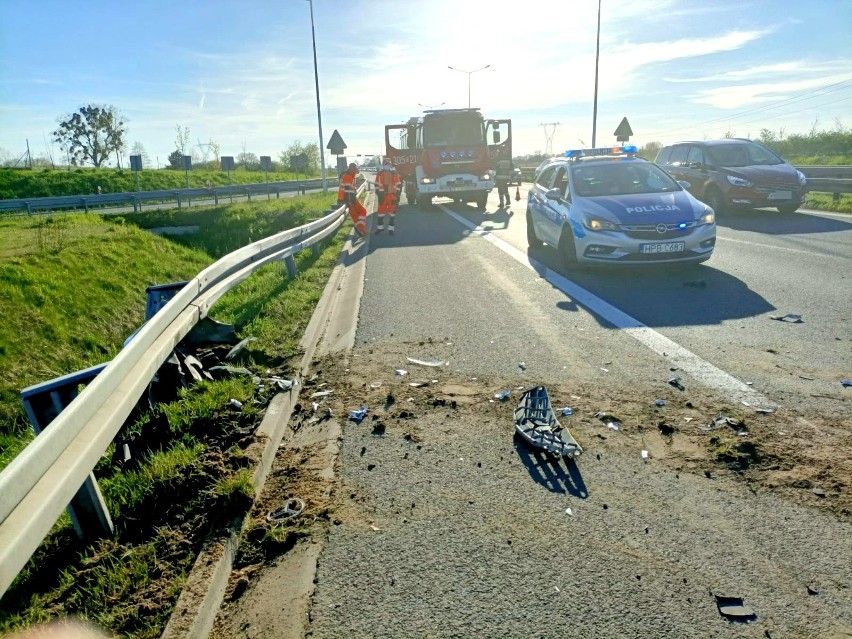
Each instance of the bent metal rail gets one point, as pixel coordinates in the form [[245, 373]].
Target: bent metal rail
[[40, 482]]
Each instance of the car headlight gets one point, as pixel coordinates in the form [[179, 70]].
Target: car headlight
[[708, 217], [736, 181], [485, 176], [802, 178], [598, 224], [427, 180]]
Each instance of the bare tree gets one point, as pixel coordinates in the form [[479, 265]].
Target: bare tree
[[91, 134], [182, 139]]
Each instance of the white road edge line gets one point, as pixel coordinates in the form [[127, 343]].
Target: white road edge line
[[685, 360]]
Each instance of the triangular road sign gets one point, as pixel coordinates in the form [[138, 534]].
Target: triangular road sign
[[336, 144], [623, 132]]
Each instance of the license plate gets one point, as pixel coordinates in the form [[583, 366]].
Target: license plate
[[667, 247], [781, 195]]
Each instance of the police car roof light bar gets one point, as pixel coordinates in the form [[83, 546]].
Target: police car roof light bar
[[604, 150]]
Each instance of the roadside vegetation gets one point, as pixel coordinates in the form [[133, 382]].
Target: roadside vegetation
[[187, 475]]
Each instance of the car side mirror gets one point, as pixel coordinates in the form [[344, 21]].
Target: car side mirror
[[685, 184], [554, 194], [496, 137]]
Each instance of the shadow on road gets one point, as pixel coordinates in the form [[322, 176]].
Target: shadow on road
[[771, 222], [557, 474]]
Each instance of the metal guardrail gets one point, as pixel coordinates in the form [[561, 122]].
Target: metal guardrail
[[136, 199], [40, 482]]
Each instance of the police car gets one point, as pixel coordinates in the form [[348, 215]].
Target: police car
[[606, 205]]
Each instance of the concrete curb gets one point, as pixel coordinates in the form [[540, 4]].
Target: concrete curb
[[203, 593]]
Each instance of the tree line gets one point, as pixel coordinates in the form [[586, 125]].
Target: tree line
[[94, 134]]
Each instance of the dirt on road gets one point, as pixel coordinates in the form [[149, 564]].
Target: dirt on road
[[438, 521]]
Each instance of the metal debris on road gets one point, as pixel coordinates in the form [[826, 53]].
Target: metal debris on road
[[675, 381], [358, 415], [293, 507], [536, 423], [435, 363], [734, 609], [789, 317]]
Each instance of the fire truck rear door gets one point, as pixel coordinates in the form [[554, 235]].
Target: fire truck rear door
[[498, 136]]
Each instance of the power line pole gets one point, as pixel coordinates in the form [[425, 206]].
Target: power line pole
[[548, 137]]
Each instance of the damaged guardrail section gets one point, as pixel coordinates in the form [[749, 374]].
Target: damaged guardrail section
[[40, 482]]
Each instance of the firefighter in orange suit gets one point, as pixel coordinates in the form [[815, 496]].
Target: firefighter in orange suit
[[388, 186], [348, 194]]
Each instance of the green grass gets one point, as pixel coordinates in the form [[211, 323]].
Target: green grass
[[188, 474], [21, 183], [827, 202]]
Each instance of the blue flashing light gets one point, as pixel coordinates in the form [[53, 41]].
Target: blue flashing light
[[682, 225], [603, 150]]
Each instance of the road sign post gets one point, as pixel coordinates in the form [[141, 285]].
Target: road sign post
[[136, 166], [266, 165], [227, 163]]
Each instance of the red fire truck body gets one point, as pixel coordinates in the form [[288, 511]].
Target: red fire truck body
[[448, 153]]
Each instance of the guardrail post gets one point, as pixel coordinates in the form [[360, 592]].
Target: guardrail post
[[85, 204], [277, 193], [248, 194], [43, 402], [178, 199], [215, 197], [29, 208], [292, 271], [135, 205]]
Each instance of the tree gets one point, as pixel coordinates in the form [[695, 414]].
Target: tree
[[650, 150], [176, 160], [297, 148], [182, 139], [92, 134], [248, 161]]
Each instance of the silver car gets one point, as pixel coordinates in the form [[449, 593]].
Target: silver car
[[606, 205]]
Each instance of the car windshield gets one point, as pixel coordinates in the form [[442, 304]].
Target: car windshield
[[621, 178], [741, 155], [446, 131]]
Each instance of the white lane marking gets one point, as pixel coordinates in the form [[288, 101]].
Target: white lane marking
[[780, 248], [685, 360]]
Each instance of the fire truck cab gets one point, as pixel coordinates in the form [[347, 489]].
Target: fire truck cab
[[448, 153]]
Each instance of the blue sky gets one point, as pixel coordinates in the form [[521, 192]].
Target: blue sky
[[241, 72]]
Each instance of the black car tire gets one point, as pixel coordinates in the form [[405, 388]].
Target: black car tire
[[532, 241], [715, 200], [788, 208], [567, 251]]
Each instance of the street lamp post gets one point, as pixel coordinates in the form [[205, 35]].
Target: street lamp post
[[319, 113], [469, 73], [597, 59]]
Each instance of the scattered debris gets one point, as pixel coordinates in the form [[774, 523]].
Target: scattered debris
[[675, 381], [819, 492], [605, 370], [522, 366], [502, 396], [764, 411], [812, 590], [846, 383], [645, 454], [401, 372], [321, 394], [568, 511], [293, 507], [236, 350], [375, 528], [660, 402], [358, 415], [734, 609], [235, 403], [435, 363], [376, 385], [810, 379], [665, 429], [281, 383], [536, 423], [611, 421], [567, 411], [789, 317]]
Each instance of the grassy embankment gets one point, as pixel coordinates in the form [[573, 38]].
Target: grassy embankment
[[187, 460]]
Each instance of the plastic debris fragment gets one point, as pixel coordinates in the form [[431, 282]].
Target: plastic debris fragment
[[358, 415], [789, 317], [610, 421], [322, 394], [660, 402], [235, 403], [522, 366], [293, 507], [567, 411], [502, 395], [764, 411], [400, 372], [435, 363], [734, 609], [675, 381], [537, 424], [376, 385], [846, 383], [645, 454]]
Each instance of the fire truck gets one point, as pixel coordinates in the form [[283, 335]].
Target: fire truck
[[448, 153]]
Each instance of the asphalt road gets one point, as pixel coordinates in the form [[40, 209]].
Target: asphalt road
[[486, 551]]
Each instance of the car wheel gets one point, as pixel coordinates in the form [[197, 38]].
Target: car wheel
[[715, 200], [567, 250], [788, 208], [532, 241]]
